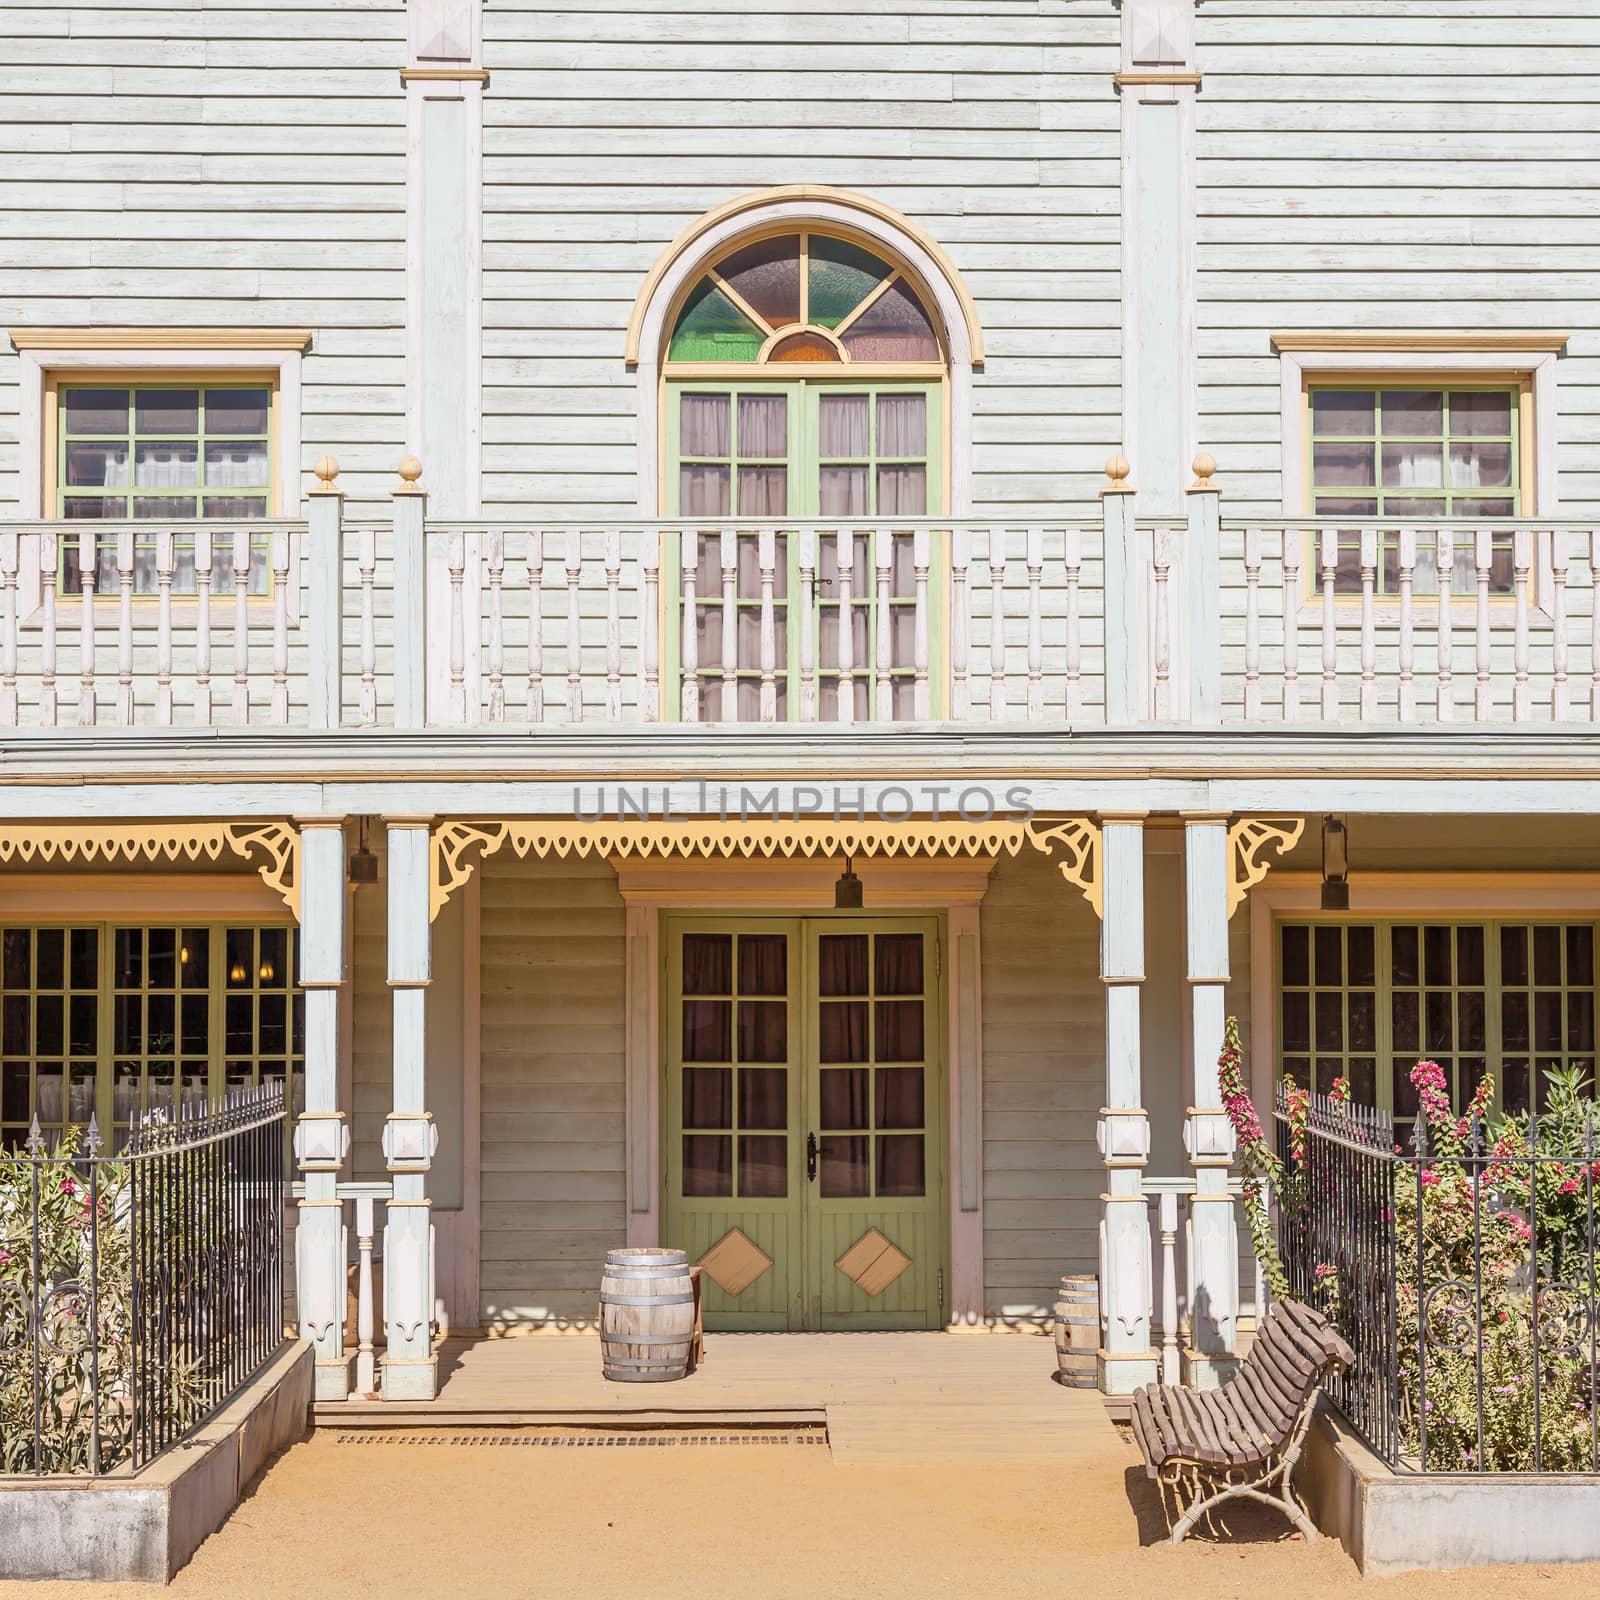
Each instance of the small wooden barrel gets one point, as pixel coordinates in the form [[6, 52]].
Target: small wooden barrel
[[646, 1315], [1078, 1331]]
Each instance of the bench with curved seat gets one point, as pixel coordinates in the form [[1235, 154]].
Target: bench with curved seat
[[1240, 1440]]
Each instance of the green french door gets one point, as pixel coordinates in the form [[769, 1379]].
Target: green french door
[[826, 448], [803, 1131]]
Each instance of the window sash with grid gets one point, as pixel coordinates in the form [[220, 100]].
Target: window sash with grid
[[1394, 429], [1366, 1001], [120, 1019], [181, 443]]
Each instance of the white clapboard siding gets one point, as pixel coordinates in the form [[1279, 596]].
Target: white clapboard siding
[[231, 164], [553, 1024], [1364, 165], [1044, 1074], [1043, 1085], [607, 130]]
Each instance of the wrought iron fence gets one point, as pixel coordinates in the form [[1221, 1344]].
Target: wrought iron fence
[[138, 1293], [1463, 1272]]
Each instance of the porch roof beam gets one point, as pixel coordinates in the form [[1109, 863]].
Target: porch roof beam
[[1468, 793]]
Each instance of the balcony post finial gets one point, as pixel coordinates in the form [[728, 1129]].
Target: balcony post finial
[[410, 470], [1204, 467], [1117, 469], [327, 471]]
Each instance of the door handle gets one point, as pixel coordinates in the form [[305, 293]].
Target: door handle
[[811, 1158]]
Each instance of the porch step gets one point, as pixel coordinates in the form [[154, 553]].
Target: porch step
[[380, 1414]]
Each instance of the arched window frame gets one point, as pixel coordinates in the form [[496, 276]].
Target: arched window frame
[[831, 211]]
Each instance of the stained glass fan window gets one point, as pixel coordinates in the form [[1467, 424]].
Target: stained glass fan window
[[803, 297]]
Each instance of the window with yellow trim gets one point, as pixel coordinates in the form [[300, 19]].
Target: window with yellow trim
[[1422, 453], [157, 451]]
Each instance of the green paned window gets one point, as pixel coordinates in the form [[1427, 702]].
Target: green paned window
[[153, 452], [1427, 454], [1367, 1001], [120, 1020], [838, 413]]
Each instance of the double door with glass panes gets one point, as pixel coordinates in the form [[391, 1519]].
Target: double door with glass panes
[[767, 451], [802, 1159], [117, 1020]]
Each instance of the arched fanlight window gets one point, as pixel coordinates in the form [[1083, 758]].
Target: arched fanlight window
[[803, 297]]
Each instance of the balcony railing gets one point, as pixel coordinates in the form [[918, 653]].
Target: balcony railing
[[412, 624]]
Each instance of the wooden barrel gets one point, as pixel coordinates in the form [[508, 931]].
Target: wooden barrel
[[646, 1315], [1078, 1331]]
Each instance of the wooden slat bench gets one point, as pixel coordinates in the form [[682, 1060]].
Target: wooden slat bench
[[1237, 1441]]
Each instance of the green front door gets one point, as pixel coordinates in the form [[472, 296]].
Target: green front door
[[803, 1152]]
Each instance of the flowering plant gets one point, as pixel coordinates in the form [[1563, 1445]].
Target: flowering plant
[[71, 1319], [1258, 1165], [1492, 1275]]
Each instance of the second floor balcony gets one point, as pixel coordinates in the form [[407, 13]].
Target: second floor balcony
[[414, 623]]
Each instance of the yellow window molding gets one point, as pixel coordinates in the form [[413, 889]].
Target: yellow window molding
[[823, 195], [1419, 341], [236, 338]]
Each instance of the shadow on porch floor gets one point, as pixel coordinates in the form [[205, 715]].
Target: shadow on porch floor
[[882, 1395]]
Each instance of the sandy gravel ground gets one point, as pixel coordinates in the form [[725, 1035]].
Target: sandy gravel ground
[[390, 1522]]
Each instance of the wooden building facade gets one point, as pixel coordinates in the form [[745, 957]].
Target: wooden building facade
[[744, 627]]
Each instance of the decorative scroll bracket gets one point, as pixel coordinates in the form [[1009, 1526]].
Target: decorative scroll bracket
[[277, 842], [1079, 841], [1248, 840], [1073, 843]]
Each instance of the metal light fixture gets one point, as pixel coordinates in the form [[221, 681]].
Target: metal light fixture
[[1335, 866], [847, 889], [363, 863]]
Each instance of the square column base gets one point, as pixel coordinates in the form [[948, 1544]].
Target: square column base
[[331, 1380], [1122, 1374], [1201, 1371], [411, 1380]]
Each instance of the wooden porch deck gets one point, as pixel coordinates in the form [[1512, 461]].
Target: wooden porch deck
[[880, 1395]]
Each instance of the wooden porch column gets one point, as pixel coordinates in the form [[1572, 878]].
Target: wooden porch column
[[1126, 1359], [410, 1371], [1207, 1135], [321, 1138]]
